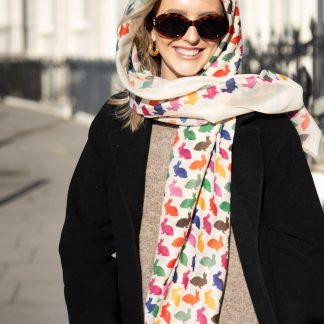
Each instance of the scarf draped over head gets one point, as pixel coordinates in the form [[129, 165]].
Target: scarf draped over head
[[191, 260]]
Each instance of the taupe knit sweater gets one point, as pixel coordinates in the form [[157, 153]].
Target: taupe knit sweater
[[237, 306]]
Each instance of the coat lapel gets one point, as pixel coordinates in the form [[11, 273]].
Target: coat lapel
[[127, 178], [131, 152], [246, 200]]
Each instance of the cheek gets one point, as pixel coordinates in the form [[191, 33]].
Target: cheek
[[163, 44], [212, 45]]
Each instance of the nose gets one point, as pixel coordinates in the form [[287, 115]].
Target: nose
[[191, 36]]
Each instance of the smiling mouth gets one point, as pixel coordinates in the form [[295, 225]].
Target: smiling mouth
[[189, 53]]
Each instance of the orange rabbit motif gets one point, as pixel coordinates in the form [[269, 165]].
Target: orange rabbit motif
[[216, 244], [170, 210], [191, 299], [198, 164], [124, 29]]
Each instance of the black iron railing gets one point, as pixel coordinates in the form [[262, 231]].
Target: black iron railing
[[285, 54]]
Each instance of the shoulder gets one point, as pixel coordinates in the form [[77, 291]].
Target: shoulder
[[277, 133], [262, 120], [106, 119], [274, 126], [104, 123]]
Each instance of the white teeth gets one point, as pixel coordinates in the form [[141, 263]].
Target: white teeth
[[187, 52]]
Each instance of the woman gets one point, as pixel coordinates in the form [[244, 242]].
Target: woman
[[190, 156]]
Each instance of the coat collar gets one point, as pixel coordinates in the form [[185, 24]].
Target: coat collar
[[247, 185], [131, 152]]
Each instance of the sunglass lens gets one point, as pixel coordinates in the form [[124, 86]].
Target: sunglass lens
[[172, 26], [212, 27]]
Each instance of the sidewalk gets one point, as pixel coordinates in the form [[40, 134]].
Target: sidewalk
[[38, 156]]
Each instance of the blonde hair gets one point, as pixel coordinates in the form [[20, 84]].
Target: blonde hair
[[142, 40]]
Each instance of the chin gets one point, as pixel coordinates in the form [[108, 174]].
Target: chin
[[187, 71], [188, 74], [176, 68]]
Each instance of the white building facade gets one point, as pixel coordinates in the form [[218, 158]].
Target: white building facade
[[58, 29], [87, 28]]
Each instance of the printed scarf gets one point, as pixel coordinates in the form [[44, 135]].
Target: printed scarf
[[191, 260]]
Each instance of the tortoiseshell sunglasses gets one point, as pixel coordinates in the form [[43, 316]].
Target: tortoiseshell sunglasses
[[174, 25]]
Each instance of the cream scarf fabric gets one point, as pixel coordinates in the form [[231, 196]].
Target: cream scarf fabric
[[191, 259]]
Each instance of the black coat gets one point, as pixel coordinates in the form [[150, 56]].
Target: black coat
[[276, 217]]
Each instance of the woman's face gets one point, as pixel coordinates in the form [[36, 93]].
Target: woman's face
[[188, 55]]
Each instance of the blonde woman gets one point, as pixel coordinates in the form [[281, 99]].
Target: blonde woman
[[192, 201]]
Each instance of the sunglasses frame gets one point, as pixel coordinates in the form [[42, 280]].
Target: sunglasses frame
[[157, 19]]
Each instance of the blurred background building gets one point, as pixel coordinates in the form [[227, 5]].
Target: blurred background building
[[287, 36], [58, 53], [57, 57], [59, 29], [61, 52]]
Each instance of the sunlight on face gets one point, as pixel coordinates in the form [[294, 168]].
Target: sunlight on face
[[188, 55]]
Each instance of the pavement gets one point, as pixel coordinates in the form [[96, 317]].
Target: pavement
[[37, 159], [38, 155]]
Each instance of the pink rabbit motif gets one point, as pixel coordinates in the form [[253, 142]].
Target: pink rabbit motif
[[224, 258], [251, 82], [166, 229], [185, 279], [223, 153], [162, 249], [206, 223], [145, 111], [175, 104], [211, 93], [201, 317], [154, 289], [217, 190], [166, 289], [211, 166], [183, 152], [174, 190], [192, 240]]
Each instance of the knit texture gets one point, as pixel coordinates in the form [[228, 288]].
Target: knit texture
[[237, 306]]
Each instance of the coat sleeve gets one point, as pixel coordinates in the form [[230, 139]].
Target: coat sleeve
[[86, 243], [294, 219]]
